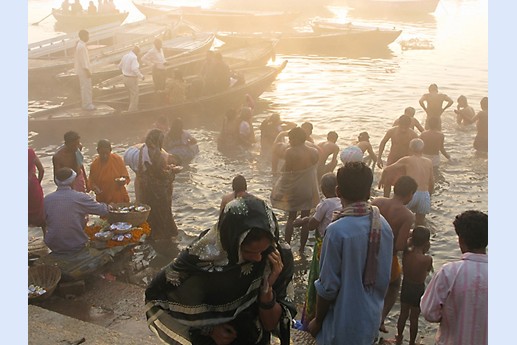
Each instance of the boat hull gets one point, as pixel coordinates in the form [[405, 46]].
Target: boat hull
[[71, 22]]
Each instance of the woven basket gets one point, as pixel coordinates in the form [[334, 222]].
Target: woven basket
[[46, 277], [134, 218]]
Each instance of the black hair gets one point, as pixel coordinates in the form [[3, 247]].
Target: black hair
[[354, 181], [405, 186], [472, 227], [420, 236], [239, 184], [297, 135], [71, 136]]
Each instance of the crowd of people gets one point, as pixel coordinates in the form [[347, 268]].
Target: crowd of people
[[233, 283]]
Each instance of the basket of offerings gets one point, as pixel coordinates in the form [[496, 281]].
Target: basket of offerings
[[132, 213], [43, 280]]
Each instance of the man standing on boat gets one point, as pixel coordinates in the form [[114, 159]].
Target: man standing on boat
[[154, 57], [82, 69], [130, 68]]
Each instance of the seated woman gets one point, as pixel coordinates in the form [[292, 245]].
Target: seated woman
[[180, 143], [230, 286]]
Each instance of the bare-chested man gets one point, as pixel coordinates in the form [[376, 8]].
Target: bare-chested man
[[481, 119], [297, 187], [421, 170], [308, 127], [464, 112], [432, 103], [410, 111], [433, 142], [401, 220], [328, 148], [363, 142], [400, 137], [69, 156]]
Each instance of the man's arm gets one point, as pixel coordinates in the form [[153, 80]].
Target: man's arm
[[371, 153], [418, 125], [442, 149], [422, 101], [401, 163], [431, 179], [434, 297], [403, 234], [449, 102], [384, 140]]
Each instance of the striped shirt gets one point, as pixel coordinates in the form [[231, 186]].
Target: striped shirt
[[457, 297]]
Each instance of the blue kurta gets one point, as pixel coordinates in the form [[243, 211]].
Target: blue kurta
[[355, 314]]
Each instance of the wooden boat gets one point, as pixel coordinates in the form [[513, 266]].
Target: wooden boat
[[314, 42], [110, 114], [393, 7], [84, 20], [180, 46], [236, 57], [221, 20]]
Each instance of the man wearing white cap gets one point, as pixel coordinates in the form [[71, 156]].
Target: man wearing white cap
[[65, 213]]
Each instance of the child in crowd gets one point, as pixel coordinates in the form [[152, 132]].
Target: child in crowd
[[416, 265], [319, 221]]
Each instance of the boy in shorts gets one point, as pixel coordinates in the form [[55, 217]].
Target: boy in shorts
[[416, 265]]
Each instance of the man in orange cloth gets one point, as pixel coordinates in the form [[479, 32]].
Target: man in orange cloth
[[108, 175]]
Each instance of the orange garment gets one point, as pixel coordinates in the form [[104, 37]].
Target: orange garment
[[103, 174], [396, 270]]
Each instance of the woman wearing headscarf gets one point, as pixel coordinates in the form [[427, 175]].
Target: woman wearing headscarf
[[155, 178], [232, 285]]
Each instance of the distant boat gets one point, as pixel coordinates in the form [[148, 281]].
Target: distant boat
[[331, 40], [221, 20], [84, 20], [393, 7]]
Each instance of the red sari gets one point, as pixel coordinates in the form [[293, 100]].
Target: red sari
[[35, 197]]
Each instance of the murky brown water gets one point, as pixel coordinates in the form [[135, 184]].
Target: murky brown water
[[345, 94]]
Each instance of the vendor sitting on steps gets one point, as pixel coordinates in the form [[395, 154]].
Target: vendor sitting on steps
[[66, 213]]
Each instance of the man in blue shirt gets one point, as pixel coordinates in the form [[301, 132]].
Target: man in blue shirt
[[355, 265]]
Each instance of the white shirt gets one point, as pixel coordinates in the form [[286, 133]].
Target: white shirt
[[457, 297], [154, 57], [81, 58], [129, 65], [324, 211]]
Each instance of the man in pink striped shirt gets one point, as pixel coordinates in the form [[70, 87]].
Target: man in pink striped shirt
[[457, 296]]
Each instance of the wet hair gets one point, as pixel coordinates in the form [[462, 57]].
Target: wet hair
[[63, 173], [416, 145], [462, 99], [328, 184], [297, 135], [363, 135], [484, 103], [71, 136], [239, 184], [433, 122], [472, 227], [154, 138], [104, 143], [420, 236], [83, 35], [409, 111], [405, 186], [332, 136], [307, 125], [354, 181], [433, 87], [404, 121]]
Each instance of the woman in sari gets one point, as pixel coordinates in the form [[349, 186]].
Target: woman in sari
[[156, 187], [180, 143], [232, 285]]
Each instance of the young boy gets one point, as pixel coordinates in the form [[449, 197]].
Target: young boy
[[416, 265], [320, 220]]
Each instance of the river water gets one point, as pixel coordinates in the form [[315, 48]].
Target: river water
[[348, 94]]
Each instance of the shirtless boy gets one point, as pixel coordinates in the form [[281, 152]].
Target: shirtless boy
[[328, 148], [433, 142], [416, 265], [401, 220], [432, 103], [421, 170], [464, 112], [400, 137], [363, 142]]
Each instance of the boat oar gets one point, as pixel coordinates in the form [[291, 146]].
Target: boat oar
[[42, 19]]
